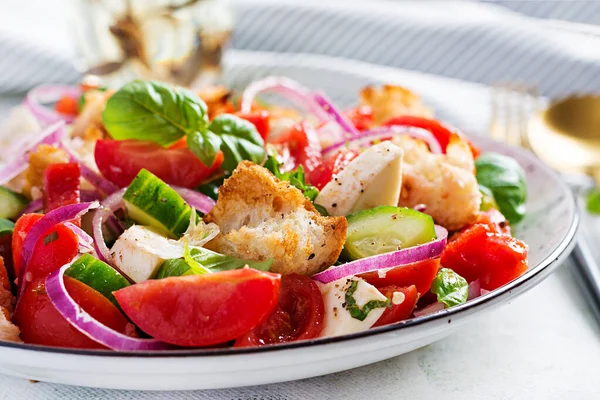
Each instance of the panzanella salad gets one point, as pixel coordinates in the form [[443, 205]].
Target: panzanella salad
[[153, 217]]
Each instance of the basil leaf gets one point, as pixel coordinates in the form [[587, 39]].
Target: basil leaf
[[505, 178], [295, 177], [357, 312], [205, 146], [487, 199], [148, 110], [450, 288], [6, 227], [215, 262], [592, 201], [240, 140]]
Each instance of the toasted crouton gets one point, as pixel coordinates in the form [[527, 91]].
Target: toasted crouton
[[393, 101], [261, 218], [39, 160]]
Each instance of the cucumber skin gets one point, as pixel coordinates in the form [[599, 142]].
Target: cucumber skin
[[360, 216], [11, 203], [97, 275], [162, 207]]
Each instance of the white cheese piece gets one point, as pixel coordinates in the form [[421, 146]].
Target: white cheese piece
[[338, 320], [372, 179], [139, 252]]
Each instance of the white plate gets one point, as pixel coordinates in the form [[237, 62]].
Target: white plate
[[548, 228]]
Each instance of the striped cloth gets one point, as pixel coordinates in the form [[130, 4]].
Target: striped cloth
[[477, 42]]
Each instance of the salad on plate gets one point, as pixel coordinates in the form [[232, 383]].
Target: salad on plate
[[153, 217]]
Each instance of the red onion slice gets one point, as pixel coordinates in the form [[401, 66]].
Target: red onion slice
[[291, 89], [199, 201], [430, 309], [32, 207], [337, 115], [366, 138], [86, 243], [97, 180], [51, 135], [54, 217], [398, 258], [88, 325], [49, 94], [474, 289], [111, 204]]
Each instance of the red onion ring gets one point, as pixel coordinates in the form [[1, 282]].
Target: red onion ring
[[51, 135], [97, 180], [367, 137], [398, 258], [88, 325], [337, 115], [474, 289], [33, 206], [293, 90], [48, 94], [108, 206], [199, 201], [86, 243], [430, 309]]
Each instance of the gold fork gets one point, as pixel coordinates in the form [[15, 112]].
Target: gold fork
[[512, 107]]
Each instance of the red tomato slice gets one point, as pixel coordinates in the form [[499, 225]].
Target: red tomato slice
[[481, 253], [298, 315], [53, 250], [61, 186], [201, 310], [120, 162], [260, 119], [398, 312], [41, 323], [361, 117], [67, 105], [331, 166], [441, 132], [420, 274], [303, 146]]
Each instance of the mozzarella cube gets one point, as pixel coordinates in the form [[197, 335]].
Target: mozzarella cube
[[338, 320]]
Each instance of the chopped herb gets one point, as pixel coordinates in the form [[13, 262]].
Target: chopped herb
[[295, 177], [362, 313], [592, 201], [50, 238], [450, 288]]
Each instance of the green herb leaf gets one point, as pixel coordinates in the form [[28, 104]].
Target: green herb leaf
[[211, 260], [205, 146], [239, 140], [592, 201], [487, 199], [6, 227], [147, 110], [295, 177], [505, 178], [450, 288], [195, 266], [362, 313]]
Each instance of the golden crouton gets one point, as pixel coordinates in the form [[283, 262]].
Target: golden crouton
[[88, 124], [39, 159], [261, 218], [392, 101]]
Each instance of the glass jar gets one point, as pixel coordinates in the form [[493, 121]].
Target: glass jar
[[177, 41]]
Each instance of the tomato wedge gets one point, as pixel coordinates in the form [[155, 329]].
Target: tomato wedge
[[303, 146], [298, 315], [120, 162], [53, 250], [61, 186], [67, 105], [480, 252], [201, 310], [41, 323], [398, 312], [331, 166], [260, 119], [361, 117], [420, 274], [440, 131]]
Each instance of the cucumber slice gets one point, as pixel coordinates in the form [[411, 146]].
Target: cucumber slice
[[11, 203], [152, 202], [97, 275], [384, 229]]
